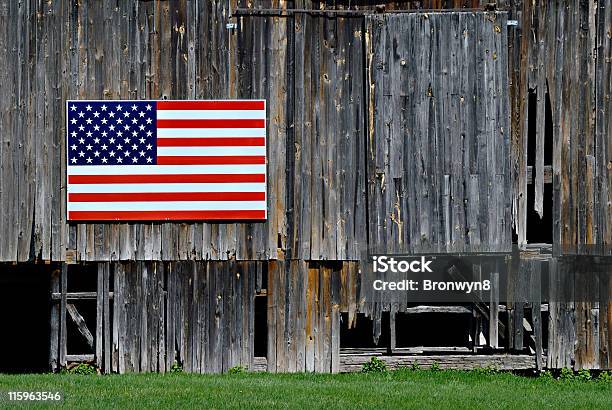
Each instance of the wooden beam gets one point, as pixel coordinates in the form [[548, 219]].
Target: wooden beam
[[80, 358], [81, 325], [354, 363], [339, 12], [437, 309]]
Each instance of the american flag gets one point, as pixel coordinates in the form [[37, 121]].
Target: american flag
[[166, 160]]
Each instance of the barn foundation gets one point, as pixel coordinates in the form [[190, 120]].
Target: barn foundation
[[203, 317]]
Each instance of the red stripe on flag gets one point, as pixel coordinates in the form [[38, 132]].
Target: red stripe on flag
[[210, 123], [166, 179], [211, 142], [211, 105], [217, 160], [167, 196], [163, 215]]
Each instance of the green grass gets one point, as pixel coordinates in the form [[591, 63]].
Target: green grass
[[401, 389]]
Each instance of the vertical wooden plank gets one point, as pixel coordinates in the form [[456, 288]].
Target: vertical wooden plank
[[194, 314], [28, 50], [335, 337], [392, 332], [54, 321], [248, 310], [220, 290], [473, 217], [494, 311], [562, 317], [170, 299], [226, 320], [275, 52], [143, 303], [605, 322], [311, 314], [318, 159], [5, 123], [319, 321], [120, 301], [301, 284], [116, 298], [282, 348], [63, 320], [539, 47], [106, 332], [536, 311], [518, 95], [302, 118], [100, 315], [153, 316], [325, 347], [56, 239], [291, 308], [272, 309], [335, 322], [603, 133], [587, 340], [519, 305]]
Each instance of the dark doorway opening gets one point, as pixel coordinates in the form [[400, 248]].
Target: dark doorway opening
[[539, 229], [432, 330], [24, 317], [361, 334], [411, 330], [81, 278], [260, 336]]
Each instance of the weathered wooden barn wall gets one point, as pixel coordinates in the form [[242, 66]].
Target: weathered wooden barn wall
[[576, 67], [438, 142], [323, 195], [152, 315], [105, 50], [155, 54], [148, 50]]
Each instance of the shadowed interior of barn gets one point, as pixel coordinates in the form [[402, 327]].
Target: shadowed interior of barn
[[415, 126]]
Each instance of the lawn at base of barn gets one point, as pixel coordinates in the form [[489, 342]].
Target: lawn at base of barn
[[400, 389]]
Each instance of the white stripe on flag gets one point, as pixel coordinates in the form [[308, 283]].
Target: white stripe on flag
[[174, 187], [168, 206], [165, 169], [210, 114], [210, 132], [210, 151]]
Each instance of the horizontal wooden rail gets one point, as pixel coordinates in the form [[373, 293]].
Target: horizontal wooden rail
[[78, 295], [547, 174], [79, 357], [345, 13], [354, 362]]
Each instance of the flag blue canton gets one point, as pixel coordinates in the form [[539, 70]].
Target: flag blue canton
[[112, 133]]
